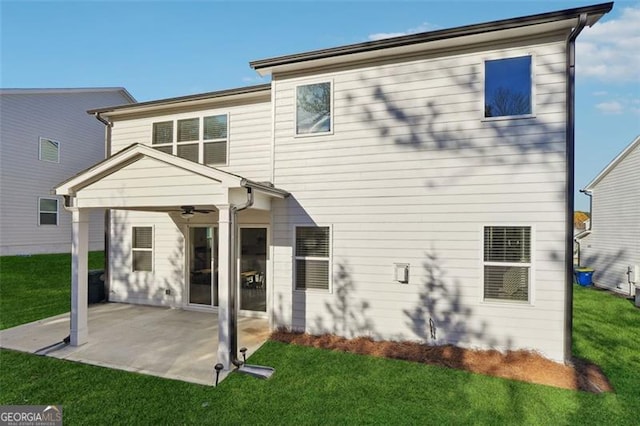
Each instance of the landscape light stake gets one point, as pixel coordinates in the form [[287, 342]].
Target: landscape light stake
[[218, 367], [243, 351]]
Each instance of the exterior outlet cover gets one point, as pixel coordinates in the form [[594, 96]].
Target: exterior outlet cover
[[401, 273]]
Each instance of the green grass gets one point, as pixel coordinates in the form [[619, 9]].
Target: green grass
[[313, 386], [38, 286]]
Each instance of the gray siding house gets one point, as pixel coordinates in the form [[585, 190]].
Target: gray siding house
[[412, 188], [46, 135], [611, 244]]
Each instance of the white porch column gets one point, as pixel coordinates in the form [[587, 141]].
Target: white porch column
[[224, 255], [79, 270]]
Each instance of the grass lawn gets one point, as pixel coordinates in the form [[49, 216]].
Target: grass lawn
[[313, 386], [41, 283]]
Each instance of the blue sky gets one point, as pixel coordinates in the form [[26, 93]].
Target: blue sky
[[159, 49]]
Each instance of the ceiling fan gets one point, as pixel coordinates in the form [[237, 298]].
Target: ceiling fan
[[187, 212]]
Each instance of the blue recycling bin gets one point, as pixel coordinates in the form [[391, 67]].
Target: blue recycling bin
[[584, 276]]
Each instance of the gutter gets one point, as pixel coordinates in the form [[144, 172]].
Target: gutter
[[570, 169]]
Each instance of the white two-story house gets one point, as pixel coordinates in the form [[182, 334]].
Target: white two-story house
[[413, 188]]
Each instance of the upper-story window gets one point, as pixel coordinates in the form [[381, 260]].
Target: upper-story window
[[200, 139], [508, 87], [49, 150], [313, 108]]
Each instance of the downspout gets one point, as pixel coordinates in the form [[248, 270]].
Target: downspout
[[233, 289], [107, 212], [570, 166]]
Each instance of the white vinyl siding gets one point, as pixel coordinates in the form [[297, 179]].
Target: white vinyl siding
[[313, 258], [507, 262], [242, 148], [164, 285], [410, 175], [47, 211], [57, 115], [142, 248], [49, 150]]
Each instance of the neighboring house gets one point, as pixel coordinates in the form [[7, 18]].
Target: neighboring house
[[611, 244], [46, 135], [412, 188], [580, 222]]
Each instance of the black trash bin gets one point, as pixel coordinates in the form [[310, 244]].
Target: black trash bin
[[96, 286]]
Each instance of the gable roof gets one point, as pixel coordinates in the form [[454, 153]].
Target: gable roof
[[562, 19], [137, 151], [44, 91], [625, 152]]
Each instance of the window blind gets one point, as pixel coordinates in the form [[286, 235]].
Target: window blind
[[142, 237], [188, 130], [215, 127], [162, 132]]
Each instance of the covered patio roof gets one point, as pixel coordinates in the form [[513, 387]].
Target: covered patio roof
[[140, 177]]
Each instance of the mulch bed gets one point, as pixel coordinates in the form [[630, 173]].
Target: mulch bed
[[520, 365]]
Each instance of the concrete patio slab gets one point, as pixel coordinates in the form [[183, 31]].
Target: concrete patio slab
[[164, 342]]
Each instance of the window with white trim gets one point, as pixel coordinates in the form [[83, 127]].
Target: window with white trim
[[507, 263], [313, 108], [508, 87], [142, 248], [312, 257], [49, 150], [200, 139], [47, 211]]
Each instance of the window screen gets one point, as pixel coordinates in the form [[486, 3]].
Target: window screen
[[47, 211], [49, 150], [215, 153], [188, 130], [142, 248], [312, 257], [162, 132], [215, 127], [507, 262], [188, 152]]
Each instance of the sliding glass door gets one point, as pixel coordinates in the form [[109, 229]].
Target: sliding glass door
[[203, 266], [253, 269]]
